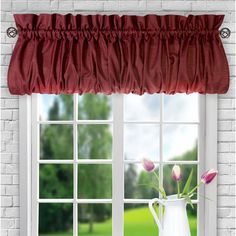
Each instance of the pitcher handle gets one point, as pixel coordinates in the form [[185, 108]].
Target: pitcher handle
[[151, 202]]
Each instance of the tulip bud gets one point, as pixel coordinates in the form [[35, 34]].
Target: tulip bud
[[176, 173], [148, 165], [208, 176]]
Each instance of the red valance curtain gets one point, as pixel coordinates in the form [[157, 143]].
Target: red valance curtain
[[112, 54]]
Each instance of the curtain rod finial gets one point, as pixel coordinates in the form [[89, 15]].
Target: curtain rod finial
[[11, 32], [225, 33]]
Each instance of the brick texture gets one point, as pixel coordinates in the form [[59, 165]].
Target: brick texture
[[10, 105]]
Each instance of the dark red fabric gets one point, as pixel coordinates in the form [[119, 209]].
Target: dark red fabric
[[112, 54]]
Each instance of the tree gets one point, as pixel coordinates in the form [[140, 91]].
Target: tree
[[94, 181], [145, 191], [56, 180], [95, 142], [130, 181]]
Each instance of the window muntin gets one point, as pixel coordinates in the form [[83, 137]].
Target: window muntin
[[81, 160]]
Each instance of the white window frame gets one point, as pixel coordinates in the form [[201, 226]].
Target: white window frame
[[208, 155]]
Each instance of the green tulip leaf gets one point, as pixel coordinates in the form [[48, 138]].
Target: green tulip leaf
[[188, 183]]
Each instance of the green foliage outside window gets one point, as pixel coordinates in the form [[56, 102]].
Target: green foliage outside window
[[94, 181]]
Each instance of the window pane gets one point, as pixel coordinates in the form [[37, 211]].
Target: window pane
[[141, 140], [55, 107], [192, 218], [138, 221], [56, 181], [171, 186], [95, 181], [136, 181], [94, 107], [56, 141], [55, 219], [95, 141], [95, 219], [181, 107], [180, 142], [145, 107]]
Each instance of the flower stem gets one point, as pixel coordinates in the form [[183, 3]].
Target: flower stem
[[156, 176], [162, 190], [178, 189], [195, 188], [154, 187]]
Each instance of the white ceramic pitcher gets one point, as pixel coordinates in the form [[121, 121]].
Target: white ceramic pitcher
[[175, 219]]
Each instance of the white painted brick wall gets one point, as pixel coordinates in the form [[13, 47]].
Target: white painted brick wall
[[9, 104]]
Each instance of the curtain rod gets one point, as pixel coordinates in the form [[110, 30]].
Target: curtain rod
[[224, 32]]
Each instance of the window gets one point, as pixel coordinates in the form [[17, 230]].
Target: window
[[81, 161]]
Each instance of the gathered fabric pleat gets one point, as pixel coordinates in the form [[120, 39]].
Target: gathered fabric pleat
[[118, 54]]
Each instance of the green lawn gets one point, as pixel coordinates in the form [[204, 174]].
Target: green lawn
[[138, 222]]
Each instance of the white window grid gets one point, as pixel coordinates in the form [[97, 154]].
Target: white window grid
[[117, 162]]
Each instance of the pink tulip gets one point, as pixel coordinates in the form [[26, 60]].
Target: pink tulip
[[176, 173], [208, 176], [148, 165]]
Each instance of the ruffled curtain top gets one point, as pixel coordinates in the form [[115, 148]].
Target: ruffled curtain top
[[111, 54]]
